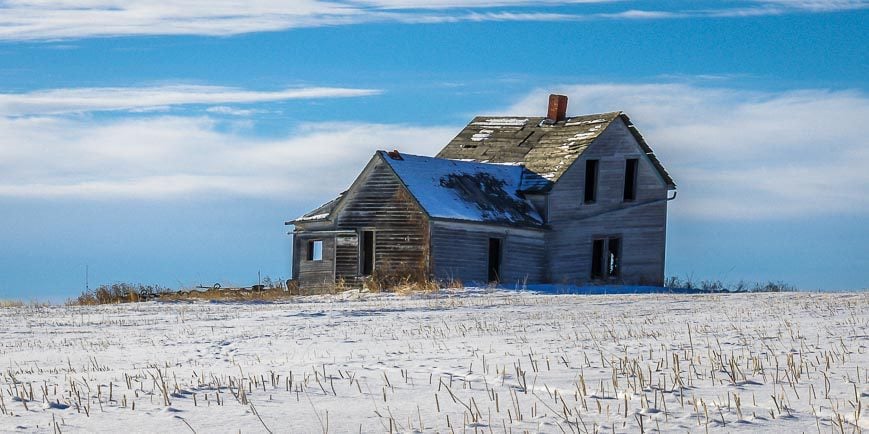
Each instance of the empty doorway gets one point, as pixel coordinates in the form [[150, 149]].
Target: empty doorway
[[494, 259], [367, 253]]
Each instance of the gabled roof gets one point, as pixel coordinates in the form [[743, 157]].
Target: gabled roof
[[462, 190], [320, 213], [545, 148]]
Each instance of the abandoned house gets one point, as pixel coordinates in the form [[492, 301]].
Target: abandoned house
[[555, 199]]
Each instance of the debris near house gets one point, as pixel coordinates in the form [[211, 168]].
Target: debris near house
[[119, 292]]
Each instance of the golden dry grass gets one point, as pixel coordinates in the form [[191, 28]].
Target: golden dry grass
[[269, 294]]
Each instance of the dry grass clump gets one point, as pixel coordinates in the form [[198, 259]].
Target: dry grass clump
[[401, 280], [688, 282], [119, 293], [267, 294], [11, 303]]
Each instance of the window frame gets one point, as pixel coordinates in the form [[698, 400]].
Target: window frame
[[606, 264], [313, 255]]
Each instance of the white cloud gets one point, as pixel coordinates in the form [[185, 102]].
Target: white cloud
[[447, 4], [64, 19], [174, 157], [817, 5], [735, 154], [159, 98], [742, 154], [230, 111]]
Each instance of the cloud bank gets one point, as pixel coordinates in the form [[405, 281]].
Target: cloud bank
[[182, 158], [66, 19], [735, 154], [742, 154], [79, 100]]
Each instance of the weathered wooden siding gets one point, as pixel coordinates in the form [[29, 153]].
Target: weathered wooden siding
[[641, 223], [347, 256], [460, 251], [315, 273], [378, 201]]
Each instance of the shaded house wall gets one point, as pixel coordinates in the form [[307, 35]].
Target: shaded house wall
[[376, 202], [641, 224], [379, 202], [313, 273], [460, 251]]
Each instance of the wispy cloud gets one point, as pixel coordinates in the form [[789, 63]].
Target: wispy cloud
[[140, 99], [817, 5], [175, 157], [45, 20], [231, 111], [743, 154]]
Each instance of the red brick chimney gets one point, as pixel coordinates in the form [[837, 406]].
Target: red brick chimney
[[557, 108]]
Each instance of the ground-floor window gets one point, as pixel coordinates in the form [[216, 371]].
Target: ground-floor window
[[315, 250], [606, 257]]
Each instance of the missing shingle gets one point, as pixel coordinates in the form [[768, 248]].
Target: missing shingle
[[526, 138]]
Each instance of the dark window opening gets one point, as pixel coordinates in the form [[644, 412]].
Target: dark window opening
[[367, 250], [631, 166], [597, 259], [591, 181], [315, 250], [494, 259], [606, 258]]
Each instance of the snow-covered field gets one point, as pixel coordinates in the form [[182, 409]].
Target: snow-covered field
[[452, 362]]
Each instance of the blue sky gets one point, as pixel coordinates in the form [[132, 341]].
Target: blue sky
[[168, 144]]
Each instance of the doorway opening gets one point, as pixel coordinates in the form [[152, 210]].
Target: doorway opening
[[367, 253], [494, 259]]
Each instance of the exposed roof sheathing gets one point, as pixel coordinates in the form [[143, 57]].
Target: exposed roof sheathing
[[545, 148]]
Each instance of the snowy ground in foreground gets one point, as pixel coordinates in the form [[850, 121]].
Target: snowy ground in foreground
[[463, 362]]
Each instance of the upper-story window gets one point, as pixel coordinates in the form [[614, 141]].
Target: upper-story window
[[631, 167], [591, 169], [315, 250]]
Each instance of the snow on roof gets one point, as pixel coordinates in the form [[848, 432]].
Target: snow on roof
[[320, 213], [502, 122], [461, 190], [306, 218]]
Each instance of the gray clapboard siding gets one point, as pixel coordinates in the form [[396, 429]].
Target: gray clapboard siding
[[379, 202], [641, 223], [460, 251], [316, 273], [347, 256]]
